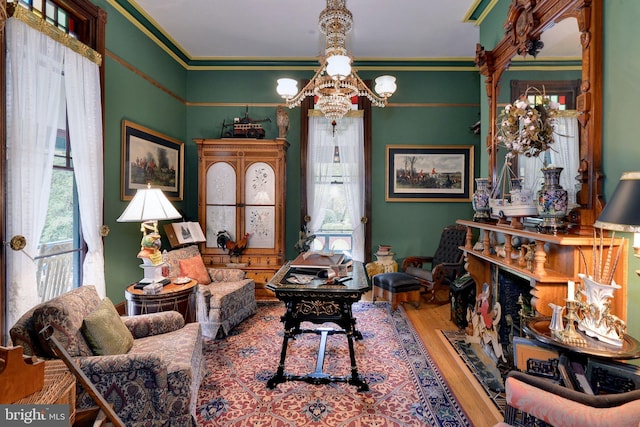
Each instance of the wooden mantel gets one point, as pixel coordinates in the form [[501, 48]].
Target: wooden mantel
[[557, 258]]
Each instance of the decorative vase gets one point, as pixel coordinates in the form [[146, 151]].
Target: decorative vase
[[552, 200], [595, 318], [556, 318], [480, 200]]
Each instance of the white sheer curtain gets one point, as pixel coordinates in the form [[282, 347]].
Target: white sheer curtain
[[84, 110], [348, 135], [41, 73], [34, 78], [564, 152]]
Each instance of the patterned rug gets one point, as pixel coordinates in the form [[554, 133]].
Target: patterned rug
[[406, 388]]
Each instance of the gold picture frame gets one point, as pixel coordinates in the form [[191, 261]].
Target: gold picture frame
[[149, 157], [429, 173]]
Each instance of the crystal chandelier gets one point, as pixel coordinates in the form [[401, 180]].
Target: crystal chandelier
[[335, 82]]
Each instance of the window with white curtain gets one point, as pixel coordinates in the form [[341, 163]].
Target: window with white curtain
[[335, 184], [54, 168], [335, 232]]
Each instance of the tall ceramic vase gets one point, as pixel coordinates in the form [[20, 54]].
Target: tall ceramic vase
[[552, 200], [480, 200]]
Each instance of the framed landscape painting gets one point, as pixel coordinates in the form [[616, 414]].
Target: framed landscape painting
[[425, 173], [148, 157]]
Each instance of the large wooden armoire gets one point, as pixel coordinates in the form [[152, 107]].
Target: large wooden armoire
[[242, 190]]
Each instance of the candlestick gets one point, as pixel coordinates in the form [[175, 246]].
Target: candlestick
[[571, 290], [570, 335]]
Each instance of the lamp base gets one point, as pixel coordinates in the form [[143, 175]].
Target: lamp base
[[152, 273]]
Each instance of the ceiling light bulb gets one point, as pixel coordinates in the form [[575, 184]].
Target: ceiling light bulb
[[338, 66], [287, 88], [385, 86]]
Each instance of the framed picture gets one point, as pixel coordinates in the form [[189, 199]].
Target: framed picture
[[148, 157], [421, 173]]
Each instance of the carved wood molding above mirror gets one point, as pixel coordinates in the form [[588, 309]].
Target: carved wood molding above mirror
[[526, 21]]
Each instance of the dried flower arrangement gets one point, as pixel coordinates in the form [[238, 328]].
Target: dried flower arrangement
[[527, 129]]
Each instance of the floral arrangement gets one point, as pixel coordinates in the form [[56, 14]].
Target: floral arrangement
[[525, 128]]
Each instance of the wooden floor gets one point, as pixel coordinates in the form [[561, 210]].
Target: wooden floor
[[428, 319]]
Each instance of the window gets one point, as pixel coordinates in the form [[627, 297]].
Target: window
[[52, 13], [336, 231], [61, 248]]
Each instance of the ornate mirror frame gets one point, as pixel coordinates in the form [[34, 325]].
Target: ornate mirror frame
[[526, 21]]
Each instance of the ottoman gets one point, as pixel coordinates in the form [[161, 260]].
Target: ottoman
[[396, 288]]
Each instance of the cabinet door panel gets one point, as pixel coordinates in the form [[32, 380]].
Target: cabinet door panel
[[220, 218], [221, 184], [260, 223], [260, 184]]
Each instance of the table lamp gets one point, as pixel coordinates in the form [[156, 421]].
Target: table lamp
[[148, 206], [622, 212]]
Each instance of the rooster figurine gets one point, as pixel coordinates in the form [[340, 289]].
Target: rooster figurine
[[234, 248]]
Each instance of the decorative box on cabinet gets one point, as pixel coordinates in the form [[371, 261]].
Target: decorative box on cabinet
[[555, 259], [242, 187]]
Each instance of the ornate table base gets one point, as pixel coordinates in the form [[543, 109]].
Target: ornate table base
[[319, 305]]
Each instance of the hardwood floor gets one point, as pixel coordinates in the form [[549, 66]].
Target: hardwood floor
[[428, 319]]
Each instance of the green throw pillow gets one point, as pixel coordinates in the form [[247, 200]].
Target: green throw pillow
[[105, 332]]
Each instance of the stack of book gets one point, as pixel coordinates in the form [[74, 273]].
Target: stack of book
[[317, 260]]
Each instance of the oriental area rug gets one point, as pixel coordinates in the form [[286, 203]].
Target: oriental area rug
[[406, 387]]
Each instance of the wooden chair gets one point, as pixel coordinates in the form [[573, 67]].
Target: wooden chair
[[435, 273]]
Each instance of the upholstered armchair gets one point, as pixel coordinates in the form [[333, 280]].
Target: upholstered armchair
[[435, 273], [225, 297], [533, 401], [151, 376]]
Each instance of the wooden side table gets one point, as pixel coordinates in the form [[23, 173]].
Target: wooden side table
[[180, 298], [59, 388]]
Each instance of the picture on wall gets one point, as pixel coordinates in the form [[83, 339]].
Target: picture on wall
[[149, 157], [423, 173]]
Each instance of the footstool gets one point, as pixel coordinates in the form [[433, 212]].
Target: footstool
[[396, 288]]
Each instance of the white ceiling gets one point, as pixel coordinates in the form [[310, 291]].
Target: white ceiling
[[288, 29]]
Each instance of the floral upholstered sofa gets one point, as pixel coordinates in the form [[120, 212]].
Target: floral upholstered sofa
[[224, 297], [153, 383]]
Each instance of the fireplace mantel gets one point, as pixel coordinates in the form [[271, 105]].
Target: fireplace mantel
[[554, 260]]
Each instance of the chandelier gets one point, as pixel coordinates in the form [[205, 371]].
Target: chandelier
[[336, 82]]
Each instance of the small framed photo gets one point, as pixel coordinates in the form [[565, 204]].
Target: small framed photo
[[424, 173], [148, 157]]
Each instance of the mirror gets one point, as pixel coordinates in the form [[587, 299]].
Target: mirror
[[526, 22], [566, 148]]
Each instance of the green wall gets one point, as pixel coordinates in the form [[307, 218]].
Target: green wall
[[130, 96], [406, 226], [621, 149]]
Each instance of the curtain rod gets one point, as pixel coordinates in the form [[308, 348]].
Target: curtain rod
[[39, 24]]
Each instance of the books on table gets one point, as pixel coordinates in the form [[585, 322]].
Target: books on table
[[317, 260]]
